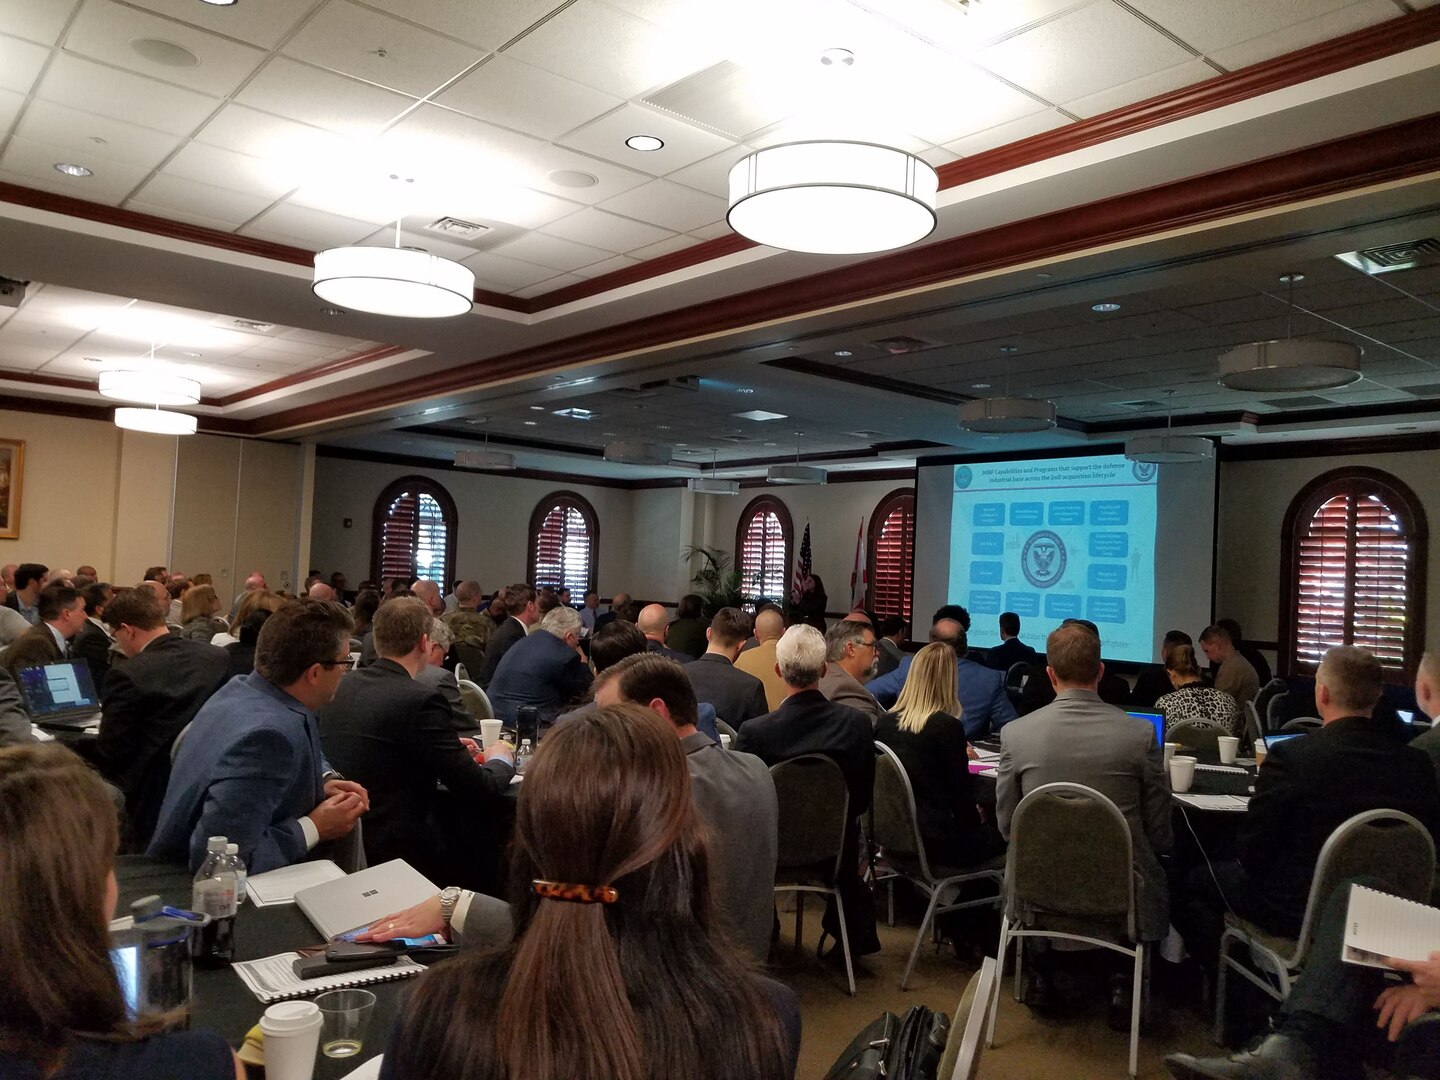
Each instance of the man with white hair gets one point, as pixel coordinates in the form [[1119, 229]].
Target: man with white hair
[[438, 677], [545, 669], [806, 723]]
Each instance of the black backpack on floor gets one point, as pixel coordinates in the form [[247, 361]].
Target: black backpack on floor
[[895, 1048]]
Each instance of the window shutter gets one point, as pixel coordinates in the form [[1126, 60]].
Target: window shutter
[[762, 555], [414, 531], [892, 555], [431, 541], [397, 537], [563, 546]]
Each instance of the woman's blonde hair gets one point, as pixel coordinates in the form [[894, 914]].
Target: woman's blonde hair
[[931, 686], [199, 601]]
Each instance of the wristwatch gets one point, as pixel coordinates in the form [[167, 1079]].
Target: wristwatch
[[448, 899]]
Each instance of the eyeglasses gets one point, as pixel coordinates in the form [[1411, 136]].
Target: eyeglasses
[[346, 663], [869, 644]]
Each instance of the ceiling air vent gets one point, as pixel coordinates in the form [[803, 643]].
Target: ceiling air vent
[[1390, 257], [453, 226], [898, 346], [1139, 405]]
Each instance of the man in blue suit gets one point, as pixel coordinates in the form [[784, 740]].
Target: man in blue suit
[[545, 669], [985, 706], [251, 767]]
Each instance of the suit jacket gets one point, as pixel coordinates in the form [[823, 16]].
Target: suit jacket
[[1429, 742], [1039, 692], [760, 662], [540, 670], [1008, 652], [438, 678], [984, 705], [1238, 678], [888, 656], [34, 647], [502, 638], [839, 686], [395, 737], [147, 701], [12, 625], [249, 769], [1150, 686], [687, 636], [1311, 785], [1080, 739], [651, 645], [737, 697], [15, 727], [92, 644], [808, 724]]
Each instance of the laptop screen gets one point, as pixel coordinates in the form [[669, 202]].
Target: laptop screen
[[1155, 718], [53, 689], [1271, 741]]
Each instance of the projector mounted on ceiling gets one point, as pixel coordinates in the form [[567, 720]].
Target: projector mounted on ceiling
[[710, 485], [1006, 415]]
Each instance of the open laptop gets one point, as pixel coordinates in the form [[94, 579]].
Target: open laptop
[[60, 695], [356, 900], [1154, 718]]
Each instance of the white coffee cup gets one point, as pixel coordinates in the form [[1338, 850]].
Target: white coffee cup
[[1229, 747], [724, 741], [489, 733], [1170, 748], [292, 1035], [1182, 772]]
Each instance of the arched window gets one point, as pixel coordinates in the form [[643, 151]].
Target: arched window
[[414, 531], [762, 548], [564, 543], [1354, 551], [891, 554]]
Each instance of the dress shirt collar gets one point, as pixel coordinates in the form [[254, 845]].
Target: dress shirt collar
[[696, 740], [59, 638], [716, 658], [31, 614], [101, 624], [258, 682], [1078, 695]]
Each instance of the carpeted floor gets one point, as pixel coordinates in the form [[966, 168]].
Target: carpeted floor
[[1077, 1046]]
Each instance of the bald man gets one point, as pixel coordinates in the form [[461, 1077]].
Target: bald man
[[760, 661], [1427, 696], [429, 594], [320, 591], [654, 620]]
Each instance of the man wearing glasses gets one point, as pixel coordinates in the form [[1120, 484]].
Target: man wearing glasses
[[250, 767], [850, 661]]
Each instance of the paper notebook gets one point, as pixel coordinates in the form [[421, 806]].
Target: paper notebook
[[273, 978], [280, 886], [1379, 926]]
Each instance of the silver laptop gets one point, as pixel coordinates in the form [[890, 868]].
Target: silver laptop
[[356, 900], [60, 695]]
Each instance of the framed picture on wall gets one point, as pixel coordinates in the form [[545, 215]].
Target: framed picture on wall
[[12, 473]]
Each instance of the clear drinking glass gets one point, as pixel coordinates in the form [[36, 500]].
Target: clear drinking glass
[[345, 1015]]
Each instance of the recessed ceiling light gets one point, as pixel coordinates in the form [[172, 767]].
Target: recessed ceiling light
[[228, 3], [1007, 349], [843, 352], [531, 423], [72, 170], [1105, 307], [1043, 277], [745, 390], [573, 178], [662, 427], [576, 414], [979, 386], [837, 58], [165, 53], [1292, 279], [332, 311], [758, 415], [644, 143], [537, 408]]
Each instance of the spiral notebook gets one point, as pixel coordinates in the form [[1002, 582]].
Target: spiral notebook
[[1379, 926], [273, 978]]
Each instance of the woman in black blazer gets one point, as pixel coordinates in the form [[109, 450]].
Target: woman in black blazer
[[925, 732]]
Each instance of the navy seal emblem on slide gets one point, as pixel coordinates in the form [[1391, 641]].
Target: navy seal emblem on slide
[[1043, 559], [964, 477], [1144, 471]]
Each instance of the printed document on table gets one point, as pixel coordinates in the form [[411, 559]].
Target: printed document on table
[[280, 886], [1379, 926], [1214, 802]]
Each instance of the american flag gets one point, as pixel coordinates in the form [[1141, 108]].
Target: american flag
[[802, 569]]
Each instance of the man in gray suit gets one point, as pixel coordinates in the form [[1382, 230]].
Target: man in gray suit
[[1080, 739], [435, 675], [1427, 696], [850, 656]]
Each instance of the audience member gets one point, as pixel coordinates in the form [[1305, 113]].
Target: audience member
[[175, 589], [1191, 699], [7, 576], [1306, 789], [849, 662], [147, 701], [15, 726], [618, 603], [890, 634], [1039, 691], [395, 736], [986, 707], [925, 731], [62, 1012], [93, 643], [12, 625], [521, 613], [1236, 675], [24, 595], [736, 696], [590, 611], [806, 723], [240, 653], [367, 602], [251, 767], [1427, 697], [437, 676], [251, 603], [732, 790], [608, 833], [318, 590], [469, 627], [1245, 649], [653, 623], [86, 571], [546, 601], [1153, 680], [613, 642], [253, 583], [62, 615], [760, 661], [687, 634], [60, 576], [546, 669], [1011, 649], [200, 614], [161, 594], [429, 594]]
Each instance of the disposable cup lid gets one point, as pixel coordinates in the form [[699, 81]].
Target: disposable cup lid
[[290, 1016]]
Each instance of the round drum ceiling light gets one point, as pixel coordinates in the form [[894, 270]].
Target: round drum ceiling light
[[153, 388], [710, 485], [155, 421], [402, 282], [1007, 415], [795, 474], [1291, 364], [832, 197], [1169, 449]]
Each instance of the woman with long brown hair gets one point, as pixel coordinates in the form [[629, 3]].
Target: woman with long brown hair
[[200, 614], [62, 1015], [617, 970]]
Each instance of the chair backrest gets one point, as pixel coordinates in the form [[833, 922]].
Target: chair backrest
[[476, 703], [1196, 734], [461, 675], [814, 807], [895, 825], [179, 738], [1071, 853], [1015, 675], [1274, 690], [1253, 729], [961, 1059], [1385, 844], [1302, 724], [725, 729], [472, 656]]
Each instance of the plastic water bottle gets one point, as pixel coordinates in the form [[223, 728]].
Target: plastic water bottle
[[523, 756], [232, 852], [214, 894]]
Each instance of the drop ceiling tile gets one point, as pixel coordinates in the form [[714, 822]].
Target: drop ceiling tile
[[668, 205], [969, 100], [290, 145], [169, 213], [23, 357], [39, 336], [713, 231], [605, 230], [111, 181], [505, 91], [435, 141], [235, 172], [1082, 52], [260, 22], [91, 87], [1214, 25], [1004, 134], [489, 24], [108, 31], [89, 136], [434, 243], [713, 174], [550, 286], [365, 44], [685, 143], [1147, 86], [938, 156], [552, 251], [502, 274], [664, 247], [20, 63], [612, 51], [36, 22], [1354, 16], [1241, 309], [538, 169], [291, 89], [302, 227], [608, 266], [1403, 333], [10, 102], [164, 194]]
